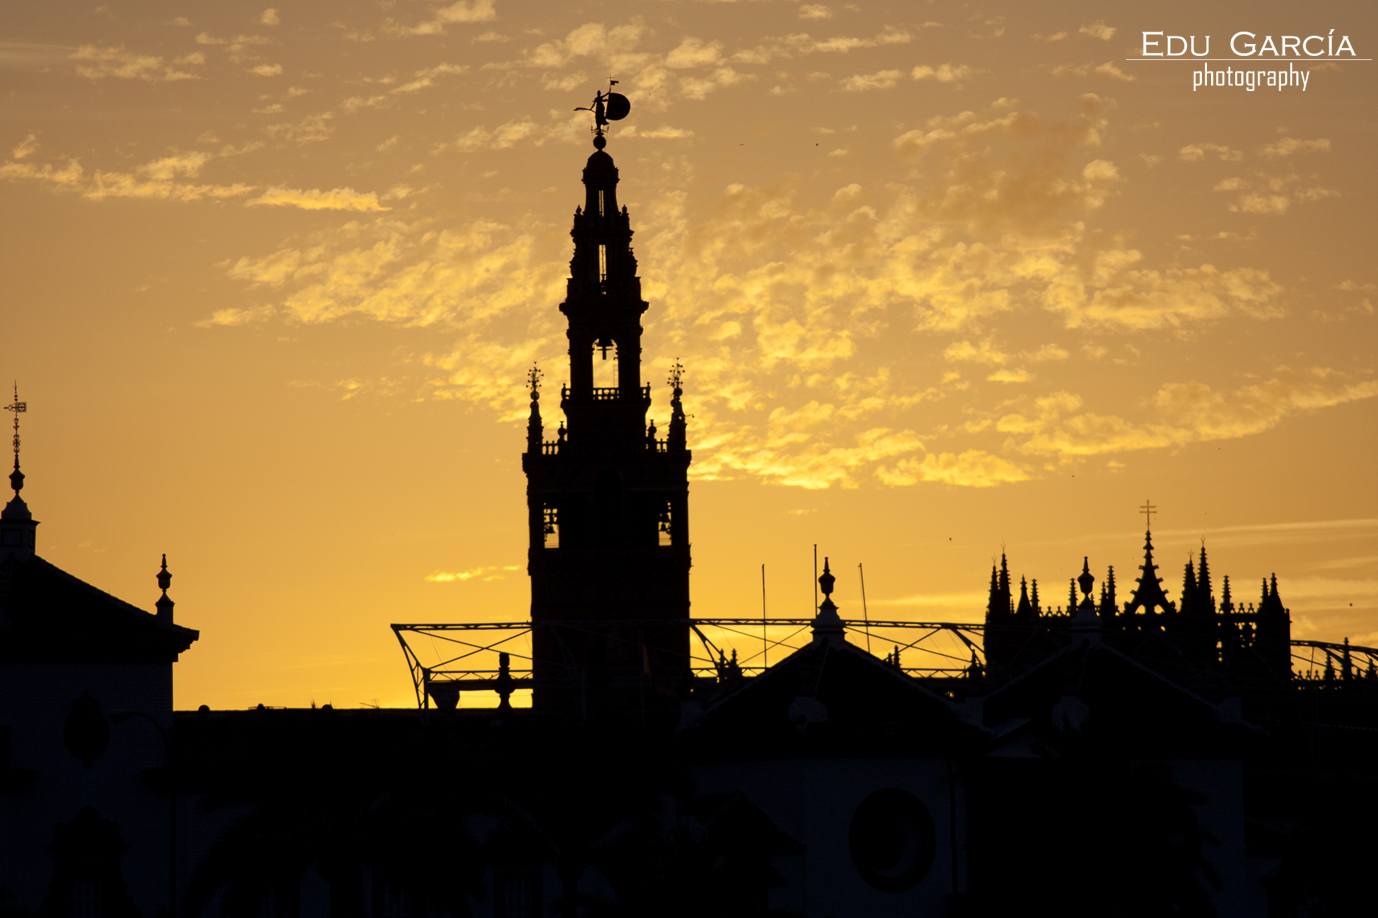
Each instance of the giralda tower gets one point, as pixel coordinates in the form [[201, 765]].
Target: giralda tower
[[608, 499]]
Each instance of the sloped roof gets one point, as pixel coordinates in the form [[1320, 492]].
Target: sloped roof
[[49, 616], [830, 698]]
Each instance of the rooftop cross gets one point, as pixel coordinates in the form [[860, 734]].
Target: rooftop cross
[[1147, 510], [18, 408]]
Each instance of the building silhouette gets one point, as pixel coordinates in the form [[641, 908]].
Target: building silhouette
[[1155, 756], [608, 498]]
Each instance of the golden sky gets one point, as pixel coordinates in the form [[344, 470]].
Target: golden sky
[[944, 277]]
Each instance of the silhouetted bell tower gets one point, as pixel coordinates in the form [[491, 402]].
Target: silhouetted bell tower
[[608, 499]]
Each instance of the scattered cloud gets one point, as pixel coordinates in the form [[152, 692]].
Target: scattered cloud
[[99, 63], [1289, 145], [315, 199], [270, 17], [1183, 413], [26, 147], [884, 79], [460, 12], [943, 73], [267, 69], [492, 572], [1097, 29], [1091, 68], [815, 11], [1196, 152], [972, 469]]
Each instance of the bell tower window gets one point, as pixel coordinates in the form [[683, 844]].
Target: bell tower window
[[602, 262], [602, 209], [605, 368], [550, 526], [664, 531]]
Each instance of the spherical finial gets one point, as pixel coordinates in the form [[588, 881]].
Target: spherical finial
[[164, 576], [599, 141], [17, 478], [826, 580]]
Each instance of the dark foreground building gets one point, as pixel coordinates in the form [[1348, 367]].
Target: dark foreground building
[[1151, 757]]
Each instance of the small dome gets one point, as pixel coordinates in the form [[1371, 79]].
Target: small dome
[[600, 168]]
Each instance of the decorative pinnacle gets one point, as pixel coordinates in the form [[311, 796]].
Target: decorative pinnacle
[[826, 581], [164, 578], [533, 376], [1086, 580], [676, 379], [18, 408]]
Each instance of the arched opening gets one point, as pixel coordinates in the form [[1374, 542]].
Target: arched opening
[[605, 367]]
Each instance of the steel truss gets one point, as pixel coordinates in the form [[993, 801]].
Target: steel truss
[[464, 656]]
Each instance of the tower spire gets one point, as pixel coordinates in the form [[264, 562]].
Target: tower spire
[[607, 507], [1148, 593]]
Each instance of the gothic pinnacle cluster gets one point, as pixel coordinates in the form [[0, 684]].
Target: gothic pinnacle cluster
[[1196, 627]]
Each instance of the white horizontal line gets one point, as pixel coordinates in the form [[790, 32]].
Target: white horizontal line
[[1254, 60]]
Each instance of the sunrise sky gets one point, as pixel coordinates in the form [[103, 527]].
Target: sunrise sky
[[944, 278]]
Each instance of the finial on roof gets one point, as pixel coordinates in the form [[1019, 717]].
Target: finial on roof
[[826, 581], [164, 604], [1086, 579], [827, 625], [18, 408], [1147, 510]]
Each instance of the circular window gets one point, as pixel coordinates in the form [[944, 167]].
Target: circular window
[[892, 840]]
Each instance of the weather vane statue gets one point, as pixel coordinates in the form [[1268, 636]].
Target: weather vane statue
[[606, 106]]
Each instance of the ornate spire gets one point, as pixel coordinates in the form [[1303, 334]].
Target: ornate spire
[[17, 525], [535, 430], [1033, 597], [18, 408], [1005, 582], [1226, 603], [1148, 594], [1024, 611], [677, 438], [1187, 605], [1204, 594], [1108, 604], [164, 604]]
